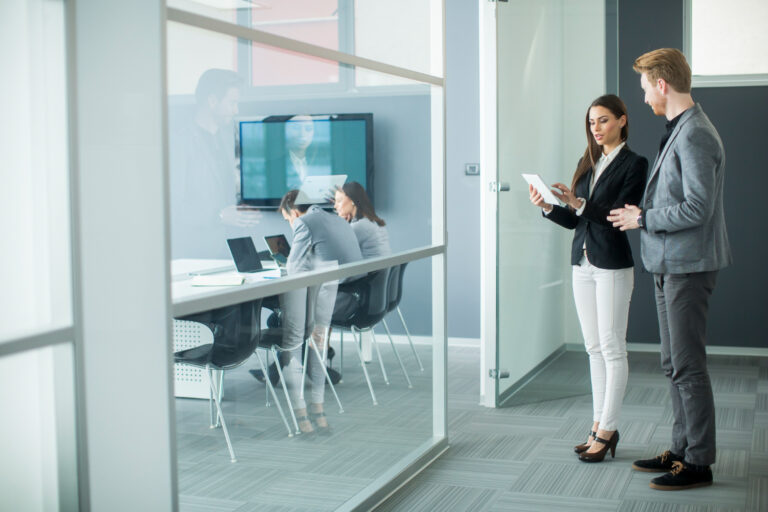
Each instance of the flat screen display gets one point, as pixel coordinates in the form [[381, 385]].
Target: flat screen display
[[277, 152]]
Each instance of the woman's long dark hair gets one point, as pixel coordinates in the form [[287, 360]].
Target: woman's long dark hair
[[592, 153], [356, 193]]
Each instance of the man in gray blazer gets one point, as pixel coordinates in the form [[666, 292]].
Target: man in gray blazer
[[684, 244]]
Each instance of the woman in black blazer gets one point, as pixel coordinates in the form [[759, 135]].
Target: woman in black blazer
[[608, 176]]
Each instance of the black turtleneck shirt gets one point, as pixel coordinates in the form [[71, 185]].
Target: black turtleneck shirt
[[670, 128]]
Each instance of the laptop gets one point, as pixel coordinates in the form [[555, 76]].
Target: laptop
[[245, 255], [278, 249]]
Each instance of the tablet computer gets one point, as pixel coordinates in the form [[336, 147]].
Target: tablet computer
[[319, 189], [537, 183]]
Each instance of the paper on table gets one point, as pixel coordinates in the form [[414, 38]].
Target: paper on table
[[541, 187]]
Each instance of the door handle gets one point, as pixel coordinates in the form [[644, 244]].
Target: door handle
[[497, 186], [498, 374]]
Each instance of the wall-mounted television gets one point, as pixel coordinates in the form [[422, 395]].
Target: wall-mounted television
[[275, 153]]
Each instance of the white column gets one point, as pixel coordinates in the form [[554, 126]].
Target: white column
[[122, 297]]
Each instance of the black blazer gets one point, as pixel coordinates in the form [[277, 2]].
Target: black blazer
[[623, 182]]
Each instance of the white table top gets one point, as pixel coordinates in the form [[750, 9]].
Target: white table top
[[182, 271]]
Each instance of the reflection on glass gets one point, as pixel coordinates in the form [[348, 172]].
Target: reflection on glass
[[38, 452], [404, 33], [278, 153], [265, 143], [204, 179]]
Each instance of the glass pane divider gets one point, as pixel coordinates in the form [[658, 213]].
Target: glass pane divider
[[36, 339], [285, 43]]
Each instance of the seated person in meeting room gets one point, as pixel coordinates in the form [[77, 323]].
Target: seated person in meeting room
[[352, 203], [319, 239]]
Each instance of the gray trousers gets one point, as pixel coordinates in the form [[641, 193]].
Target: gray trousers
[[305, 311], [682, 302]]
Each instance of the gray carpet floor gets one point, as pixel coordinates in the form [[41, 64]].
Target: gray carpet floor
[[303, 473], [519, 458], [516, 458]]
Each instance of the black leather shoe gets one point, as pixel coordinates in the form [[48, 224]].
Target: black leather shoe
[[659, 464], [274, 377], [683, 476], [334, 375]]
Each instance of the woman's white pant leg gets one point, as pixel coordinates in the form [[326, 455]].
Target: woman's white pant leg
[[586, 308]]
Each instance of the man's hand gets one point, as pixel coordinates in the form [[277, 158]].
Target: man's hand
[[625, 218]]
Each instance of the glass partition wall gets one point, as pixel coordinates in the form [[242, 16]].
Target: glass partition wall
[[39, 469], [263, 101]]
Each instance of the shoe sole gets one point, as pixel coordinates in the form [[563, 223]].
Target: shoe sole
[[651, 470], [678, 487]]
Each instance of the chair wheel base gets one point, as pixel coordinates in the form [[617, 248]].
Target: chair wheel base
[[232, 460]]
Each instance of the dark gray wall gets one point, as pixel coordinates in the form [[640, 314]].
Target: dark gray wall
[[463, 146], [739, 113]]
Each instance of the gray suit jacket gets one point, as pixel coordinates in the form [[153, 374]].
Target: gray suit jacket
[[321, 238], [683, 202]]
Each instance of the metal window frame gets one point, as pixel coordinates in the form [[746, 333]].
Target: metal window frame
[[701, 81]]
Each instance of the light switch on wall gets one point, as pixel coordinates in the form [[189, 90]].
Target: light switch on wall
[[472, 169]]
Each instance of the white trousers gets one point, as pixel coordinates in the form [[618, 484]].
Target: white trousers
[[602, 302]]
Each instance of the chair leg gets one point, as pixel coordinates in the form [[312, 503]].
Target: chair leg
[[304, 371], [221, 390], [418, 359], [341, 349], [325, 371], [271, 389], [215, 423], [392, 344], [211, 406], [215, 393], [285, 390], [356, 334], [378, 354], [266, 389]]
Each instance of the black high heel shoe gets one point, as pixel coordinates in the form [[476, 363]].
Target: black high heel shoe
[[584, 447], [608, 444]]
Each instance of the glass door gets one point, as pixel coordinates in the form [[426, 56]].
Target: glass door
[[549, 67]]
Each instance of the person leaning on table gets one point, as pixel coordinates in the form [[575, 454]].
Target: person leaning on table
[[609, 175]]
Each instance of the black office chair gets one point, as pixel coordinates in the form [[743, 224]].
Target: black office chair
[[369, 299], [236, 332]]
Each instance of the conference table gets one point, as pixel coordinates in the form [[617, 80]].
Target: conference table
[[189, 298]]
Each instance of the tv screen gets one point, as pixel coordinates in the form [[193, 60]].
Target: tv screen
[[277, 152]]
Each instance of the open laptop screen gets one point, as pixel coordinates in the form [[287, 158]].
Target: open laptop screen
[[245, 255], [279, 248]]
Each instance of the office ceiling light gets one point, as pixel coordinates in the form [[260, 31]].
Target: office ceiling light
[[234, 4]]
